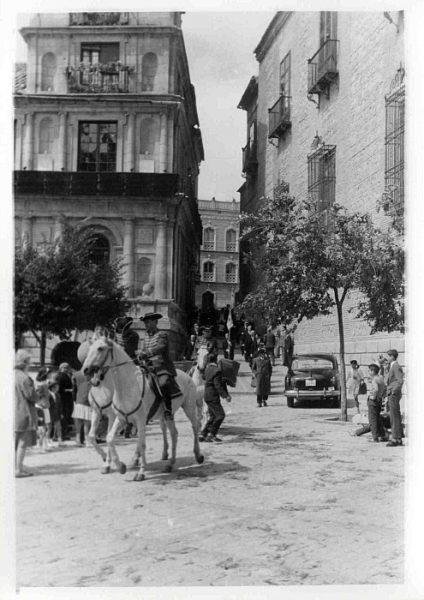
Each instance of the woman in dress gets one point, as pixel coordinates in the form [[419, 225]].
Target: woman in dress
[[25, 412]]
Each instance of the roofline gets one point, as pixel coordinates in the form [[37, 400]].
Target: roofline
[[270, 34], [250, 92]]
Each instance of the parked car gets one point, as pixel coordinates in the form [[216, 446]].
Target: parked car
[[313, 377]]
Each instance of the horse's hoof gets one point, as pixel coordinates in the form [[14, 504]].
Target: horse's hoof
[[168, 469], [122, 468], [200, 459], [139, 477], [105, 470]]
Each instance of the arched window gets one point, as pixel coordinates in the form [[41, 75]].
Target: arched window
[[99, 250], [231, 241], [48, 71], [143, 270], [208, 271], [209, 239], [46, 137], [148, 136], [230, 273], [149, 67]]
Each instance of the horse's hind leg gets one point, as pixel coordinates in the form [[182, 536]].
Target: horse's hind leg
[[110, 439], [174, 439], [165, 447], [141, 447]]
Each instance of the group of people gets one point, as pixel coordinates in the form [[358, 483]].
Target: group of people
[[278, 341], [384, 394]]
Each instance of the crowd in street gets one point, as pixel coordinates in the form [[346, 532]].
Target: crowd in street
[[55, 405]]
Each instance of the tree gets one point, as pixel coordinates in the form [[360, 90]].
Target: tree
[[59, 289], [309, 261]]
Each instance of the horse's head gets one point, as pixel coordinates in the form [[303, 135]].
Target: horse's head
[[202, 354], [100, 355]]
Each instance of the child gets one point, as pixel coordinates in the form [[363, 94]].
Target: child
[[55, 412]]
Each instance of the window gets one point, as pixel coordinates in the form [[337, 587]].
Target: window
[[327, 27], [93, 54], [208, 239], [279, 114], [144, 267], [48, 71], [322, 67], [230, 241], [208, 271], [148, 136], [395, 129], [230, 273], [99, 250], [46, 136], [97, 146], [322, 177], [149, 67], [285, 75]]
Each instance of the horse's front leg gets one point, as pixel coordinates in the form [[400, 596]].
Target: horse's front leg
[[113, 427], [174, 439], [95, 420], [141, 447], [165, 446]]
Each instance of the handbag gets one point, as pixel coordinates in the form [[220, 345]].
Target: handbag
[[362, 388], [253, 381]]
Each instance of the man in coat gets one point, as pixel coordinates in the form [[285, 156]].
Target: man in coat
[[215, 389], [262, 370], [156, 351], [288, 345], [394, 384]]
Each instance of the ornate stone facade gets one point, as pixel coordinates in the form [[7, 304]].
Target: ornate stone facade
[[107, 137]]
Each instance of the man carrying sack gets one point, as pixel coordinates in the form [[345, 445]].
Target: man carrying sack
[[156, 351]]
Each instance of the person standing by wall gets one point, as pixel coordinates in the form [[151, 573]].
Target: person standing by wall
[[25, 412], [262, 370], [375, 399], [354, 380], [394, 393]]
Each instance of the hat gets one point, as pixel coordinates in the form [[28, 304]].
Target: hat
[[206, 328], [151, 315]]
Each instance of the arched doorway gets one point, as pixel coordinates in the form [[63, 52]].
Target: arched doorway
[[99, 249], [207, 302]]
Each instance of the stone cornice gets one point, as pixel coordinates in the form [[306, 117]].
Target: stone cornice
[[270, 34]]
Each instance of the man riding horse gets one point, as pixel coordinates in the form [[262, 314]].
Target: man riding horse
[[156, 351]]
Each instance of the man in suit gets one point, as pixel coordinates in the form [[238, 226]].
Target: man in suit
[[394, 384], [288, 345], [228, 347]]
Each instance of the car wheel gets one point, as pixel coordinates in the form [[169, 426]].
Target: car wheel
[[290, 402]]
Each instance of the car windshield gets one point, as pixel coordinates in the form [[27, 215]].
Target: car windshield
[[310, 363]]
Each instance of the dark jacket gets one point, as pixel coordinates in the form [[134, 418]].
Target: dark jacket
[[269, 340], [214, 385], [156, 348], [262, 369]]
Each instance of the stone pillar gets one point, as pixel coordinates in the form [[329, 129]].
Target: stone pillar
[[161, 262], [26, 234], [170, 140], [129, 158], [163, 146], [128, 256], [28, 150], [61, 157]]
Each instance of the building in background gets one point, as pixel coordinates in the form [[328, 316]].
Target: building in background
[[219, 257], [330, 122], [107, 137]]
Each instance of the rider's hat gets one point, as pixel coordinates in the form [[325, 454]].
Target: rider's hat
[[151, 315]]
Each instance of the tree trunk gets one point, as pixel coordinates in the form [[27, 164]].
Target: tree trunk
[[343, 395], [43, 342]]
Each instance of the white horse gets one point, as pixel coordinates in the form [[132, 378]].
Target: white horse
[[132, 404], [196, 373]]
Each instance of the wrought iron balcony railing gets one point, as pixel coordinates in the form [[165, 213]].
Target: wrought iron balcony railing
[[250, 161], [322, 67], [102, 18], [110, 78], [95, 183], [279, 117]]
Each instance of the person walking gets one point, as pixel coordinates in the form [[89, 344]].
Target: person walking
[[270, 344], [288, 345], [354, 380], [215, 389], [262, 370], [394, 384], [375, 399], [228, 347], [25, 412]]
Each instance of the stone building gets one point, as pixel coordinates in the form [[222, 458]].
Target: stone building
[[107, 137], [219, 255], [330, 123]]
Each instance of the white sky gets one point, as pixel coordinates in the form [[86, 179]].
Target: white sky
[[221, 61]]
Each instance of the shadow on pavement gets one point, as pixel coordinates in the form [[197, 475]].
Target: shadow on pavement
[[207, 470], [61, 469]]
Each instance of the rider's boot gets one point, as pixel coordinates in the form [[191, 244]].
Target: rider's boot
[[167, 413]]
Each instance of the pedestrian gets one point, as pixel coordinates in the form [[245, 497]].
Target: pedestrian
[[394, 384], [43, 410], [25, 413], [215, 389], [67, 403], [205, 340], [56, 415], [281, 338], [82, 410], [243, 338], [354, 379], [262, 370], [375, 400], [190, 349], [288, 345], [228, 347], [270, 344]]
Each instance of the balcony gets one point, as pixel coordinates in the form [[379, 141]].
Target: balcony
[[102, 18], [110, 78], [64, 183], [322, 68], [279, 117], [250, 161]]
